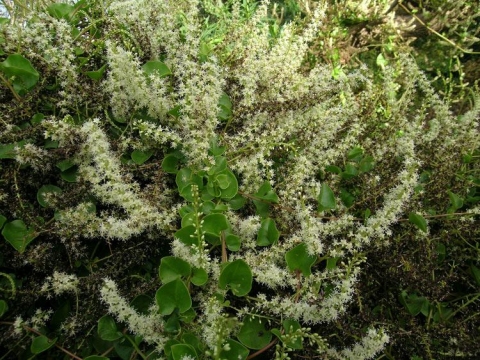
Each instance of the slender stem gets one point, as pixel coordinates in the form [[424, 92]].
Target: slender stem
[[261, 351], [437, 33], [72, 355], [7, 83]]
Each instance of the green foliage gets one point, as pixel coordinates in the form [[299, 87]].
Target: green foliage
[[253, 333], [173, 295], [18, 234], [107, 329], [298, 259], [41, 343], [240, 170], [237, 277], [20, 73]]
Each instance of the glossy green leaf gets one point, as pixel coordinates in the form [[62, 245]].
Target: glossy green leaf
[[170, 163], [184, 179], [139, 157], [124, 350], [7, 151], [332, 263], [18, 235], [268, 233], [266, 193], [237, 277], [418, 220], [414, 304], [45, 192], [187, 235], [326, 199], [237, 202], [156, 67], [333, 169], [188, 316], [229, 191], [367, 164], [253, 333], [355, 154], [183, 351], [289, 327], [65, 164], [21, 73], [172, 268], [225, 107], [232, 349], [189, 219], [475, 271], [199, 277], [173, 295], [3, 307], [175, 112], [347, 198], [215, 149], [455, 201], [214, 224], [41, 343], [37, 118], [172, 323], [60, 10], [98, 74], [107, 329], [70, 175], [3, 219], [298, 259], [50, 144], [233, 242], [381, 61], [350, 172]]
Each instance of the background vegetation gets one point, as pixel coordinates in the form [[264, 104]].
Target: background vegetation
[[328, 174]]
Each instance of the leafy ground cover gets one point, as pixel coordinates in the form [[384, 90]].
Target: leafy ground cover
[[239, 179]]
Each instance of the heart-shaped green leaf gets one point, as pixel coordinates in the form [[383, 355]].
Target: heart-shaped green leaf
[[355, 154], [156, 67], [21, 72], [253, 333], [173, 295], [268, 233], [289, 327], [60, 10], [199, 277], [233, 242], [232, 349], [18, 235], [107, 329], [266, 193], [298, 259], [97, 75], [183, 351], [139, 157], [187, 235], [172, 268], [215, 224], [45, 192], [41, 343], [326, 199], [3, 219], [418, 220], [237, 276]]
